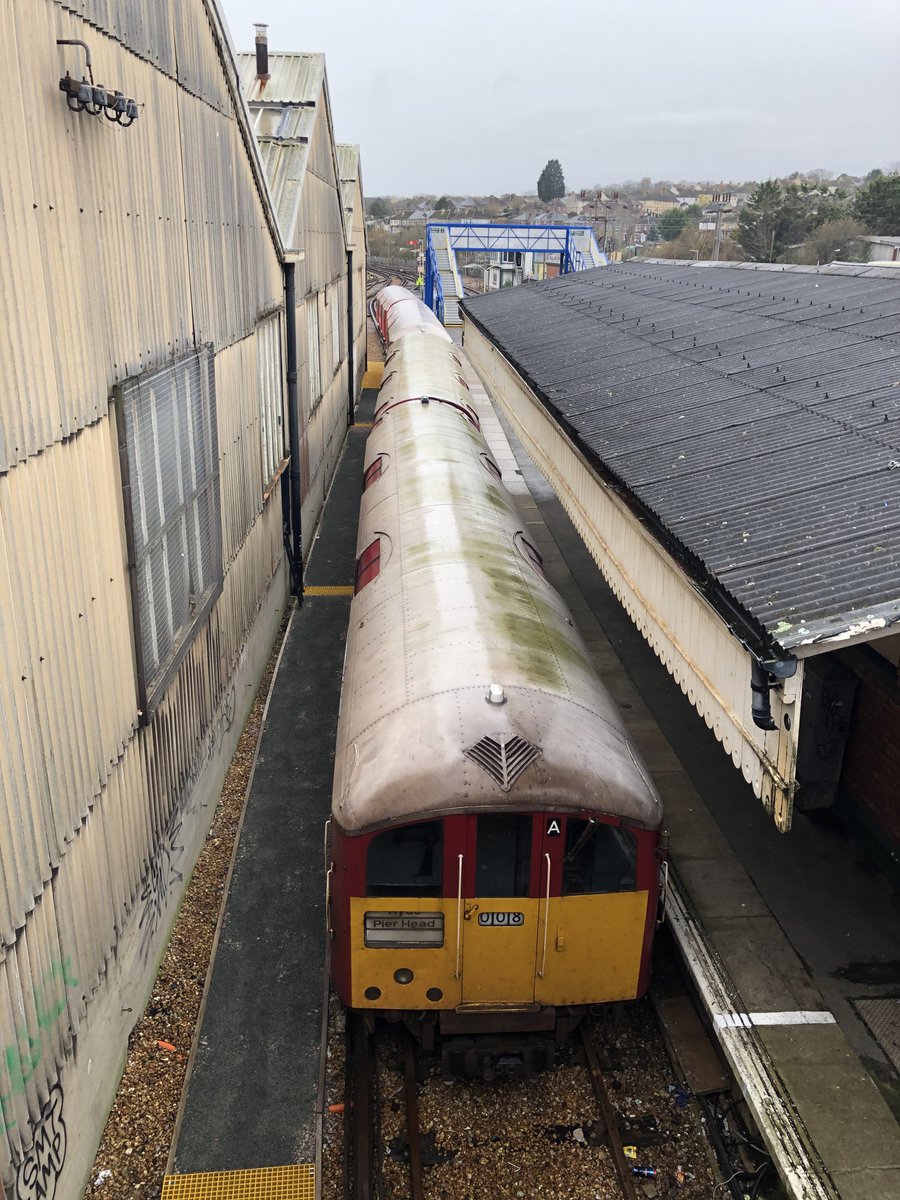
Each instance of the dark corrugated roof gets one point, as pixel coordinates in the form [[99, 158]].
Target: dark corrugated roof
[[751, 415]]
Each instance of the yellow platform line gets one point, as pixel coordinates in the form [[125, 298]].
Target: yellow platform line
[[374, 375], [336, 589], [362, 424], [263, 1183]]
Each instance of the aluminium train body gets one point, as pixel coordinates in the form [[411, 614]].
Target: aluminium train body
[[495, 837], [398, 312]]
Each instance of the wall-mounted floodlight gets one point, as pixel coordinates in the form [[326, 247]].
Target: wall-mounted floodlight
[[83, 95]]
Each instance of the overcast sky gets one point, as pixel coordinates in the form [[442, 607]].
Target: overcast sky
[[475, 96]]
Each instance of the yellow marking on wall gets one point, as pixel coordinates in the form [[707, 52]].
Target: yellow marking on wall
[[362, 424], [296, 1182], [374, 375], [342, 589]]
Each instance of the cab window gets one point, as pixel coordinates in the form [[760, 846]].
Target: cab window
[[503, 858], [598, 858], [406, 861]]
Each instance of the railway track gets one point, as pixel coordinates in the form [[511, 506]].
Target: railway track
[[363, 1152], [379, 277], [608, 1119], [607, 1114]]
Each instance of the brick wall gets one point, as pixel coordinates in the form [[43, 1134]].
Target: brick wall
[[870, 779]]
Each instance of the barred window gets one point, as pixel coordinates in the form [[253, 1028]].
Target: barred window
[[170, 466], [268, 371]]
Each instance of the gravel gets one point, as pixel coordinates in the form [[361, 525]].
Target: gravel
[[133, 1152]]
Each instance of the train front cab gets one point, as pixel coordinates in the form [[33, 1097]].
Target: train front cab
[[500, 914]]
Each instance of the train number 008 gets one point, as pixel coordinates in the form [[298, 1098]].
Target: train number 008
[[501, 918]]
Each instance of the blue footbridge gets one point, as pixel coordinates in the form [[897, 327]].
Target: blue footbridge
[[574, 247]]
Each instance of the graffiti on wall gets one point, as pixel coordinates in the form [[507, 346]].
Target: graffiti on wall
[[164, 874], [42, 1164], [22, 1056]]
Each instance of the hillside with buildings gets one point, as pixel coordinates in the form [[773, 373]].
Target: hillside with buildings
[[807, 217]]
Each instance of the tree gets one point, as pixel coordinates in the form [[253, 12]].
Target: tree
[[760, 230], [697, 244], [877, 205], [671, 223], [551, 184], [379, 243], [840, 240], [379, 208], [445, 204]]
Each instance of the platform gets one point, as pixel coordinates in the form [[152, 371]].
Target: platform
[[251, 1100]]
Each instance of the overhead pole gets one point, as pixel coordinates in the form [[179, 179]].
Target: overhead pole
[[721, 203]]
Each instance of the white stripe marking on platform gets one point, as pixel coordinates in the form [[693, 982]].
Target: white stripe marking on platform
[[737, 1020]]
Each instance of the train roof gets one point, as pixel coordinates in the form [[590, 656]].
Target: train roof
[[399, 312], [458, 605]]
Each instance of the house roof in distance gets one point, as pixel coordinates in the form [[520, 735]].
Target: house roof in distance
[[750, 415]]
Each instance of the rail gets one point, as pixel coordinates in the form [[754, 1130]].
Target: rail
[[361, 1161], [608, 1115], [363, 1176]]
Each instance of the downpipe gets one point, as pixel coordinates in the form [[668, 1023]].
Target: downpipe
[[351, 349], [295, 545], [763, 678]]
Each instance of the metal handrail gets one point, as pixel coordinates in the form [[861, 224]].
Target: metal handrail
[[459, 914], [434, 286], [454, 267], [546, 919]]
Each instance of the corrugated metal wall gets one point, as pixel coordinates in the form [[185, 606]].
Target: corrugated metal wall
[[321, 224], [322, 281], [124, 247]]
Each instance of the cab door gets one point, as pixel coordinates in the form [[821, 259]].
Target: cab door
[[500, 911], [592, 913]]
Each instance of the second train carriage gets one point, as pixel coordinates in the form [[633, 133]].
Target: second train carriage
[[495, 836], [398, 312]]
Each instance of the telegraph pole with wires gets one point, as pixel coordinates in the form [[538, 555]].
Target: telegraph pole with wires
[[721, 203]]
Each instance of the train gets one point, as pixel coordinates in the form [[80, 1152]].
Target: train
[[496, 846]]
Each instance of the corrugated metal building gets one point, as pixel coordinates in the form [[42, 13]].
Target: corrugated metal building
[[357, 249], [725, 437], [291, 114], [142, 570]]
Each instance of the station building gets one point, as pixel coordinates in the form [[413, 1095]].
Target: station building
[[145, 500]]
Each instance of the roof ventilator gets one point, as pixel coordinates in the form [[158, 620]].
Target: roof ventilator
[[764, 677], [262, 53], [504, 757]]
